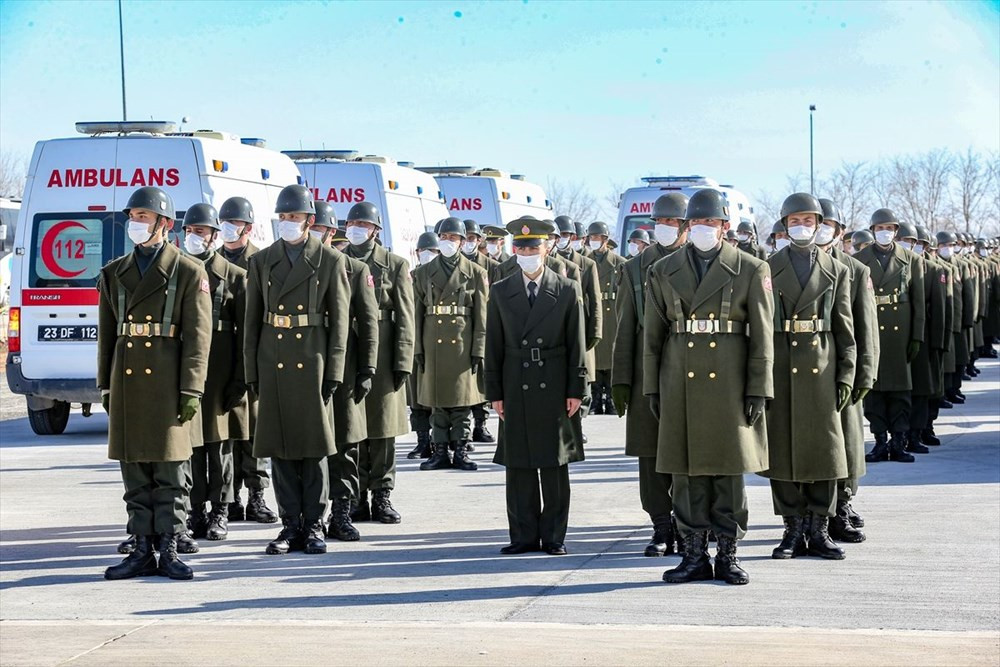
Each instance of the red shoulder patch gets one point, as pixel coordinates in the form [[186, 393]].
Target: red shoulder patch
[[870, 285], [944, 278], [371, 280], [204, 286], [767, 283]]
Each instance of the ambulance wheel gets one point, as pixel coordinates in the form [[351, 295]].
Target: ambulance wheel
[[51, 421]]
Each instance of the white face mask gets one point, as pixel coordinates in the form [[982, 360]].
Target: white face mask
[[781, 244], [945, 251], [448, 248], [529, 263], [493, 249], [230, 233], [194, 244], [665, 234], [138, 232], [983, 252], [884, 236], [633, 249], [906, 245], [704, 237], [577, 245], [318, 234], [563, 242], [919, 249], [470, 247], [825, 234], [549, 244], [802, 234], [357, 235], [595, 245], [289, 230], [743, 238], [426, 255]]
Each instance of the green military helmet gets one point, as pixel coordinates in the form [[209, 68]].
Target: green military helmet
[[366, 212], [339, 235], [731, 235], [203, 215], [980, 243], [883, 216], [152, 199], [707, 204], [945, 237], [427, 241], [670, 205], [472, 228], [831, 212], [778, 228], [237, 209], [922, 234], [906, 230], [295, 199], [325, 217], [565, 225], [861, 238], [529, 232], [801, 202], [745, 227], [493, 232], [598, 229], [579, 230], [639, 235], [450, 226]]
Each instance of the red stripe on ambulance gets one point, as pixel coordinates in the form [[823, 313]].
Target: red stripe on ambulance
[[78, 296]]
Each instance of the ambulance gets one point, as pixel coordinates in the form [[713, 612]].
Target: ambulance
[[489, 196], [409, 201], [636, 204], [71, 224]]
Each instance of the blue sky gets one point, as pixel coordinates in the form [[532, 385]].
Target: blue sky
[[591, 92]]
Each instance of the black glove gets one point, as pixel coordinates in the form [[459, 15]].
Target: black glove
[[399, 379], [106, 402], [235, 392], [753, 406], [592, 343], [477, 365], [329, 386], [418, 361], [654, 405], [912, 350], [363, 384], [859, 394], [254, 388]]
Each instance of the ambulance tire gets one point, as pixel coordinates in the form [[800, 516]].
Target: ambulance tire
[[51, 421]]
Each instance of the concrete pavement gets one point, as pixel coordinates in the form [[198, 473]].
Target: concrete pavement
[[924, 588]]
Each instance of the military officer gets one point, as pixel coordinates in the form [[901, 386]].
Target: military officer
[[707, 360], [861, 239], [963, 315], [471, 251], [295, 348], [844, 526], [552, 260], [154, 334], [535, 379], [898, 280], [608, 264], [236, 216], [420, 415], [495, 237], [942, 283], [731, 238], [225, 389], [449, 296], [814, 360], [386, 404], [746, 240], [638, 240], [780, 236], [670, 232], [350, 425]]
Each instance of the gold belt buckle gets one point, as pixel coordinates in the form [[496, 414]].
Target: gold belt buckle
[[281, 321], [803, 326], [140, 330]]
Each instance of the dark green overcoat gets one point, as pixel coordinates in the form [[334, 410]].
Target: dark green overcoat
[[246, 411], [350, 421], [608, 264]]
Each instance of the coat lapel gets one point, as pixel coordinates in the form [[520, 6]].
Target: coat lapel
[[304, 267], [545, 300], [156, 275], [783, 279], [892, 269], [517, 297], [820, 280], [720, 273]]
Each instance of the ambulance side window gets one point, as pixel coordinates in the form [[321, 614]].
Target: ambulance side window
[[69, 249], [634, 222]]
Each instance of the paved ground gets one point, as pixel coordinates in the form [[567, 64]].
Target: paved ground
[[924, 588]]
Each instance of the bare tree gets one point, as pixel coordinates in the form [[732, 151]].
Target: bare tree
[[918, 187], [612, 200], [850, 187], [13, 173], [973, 175], [767, 210], [572, 198]]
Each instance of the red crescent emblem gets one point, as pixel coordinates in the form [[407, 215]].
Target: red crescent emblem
[[48, 243]]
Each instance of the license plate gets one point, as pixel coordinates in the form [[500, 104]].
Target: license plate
[[74, 332]]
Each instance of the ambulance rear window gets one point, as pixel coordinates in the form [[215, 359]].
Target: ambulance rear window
[[634, 222], [69, 249]]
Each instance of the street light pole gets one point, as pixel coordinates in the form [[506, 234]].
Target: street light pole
[[812, 173], [121, 52]]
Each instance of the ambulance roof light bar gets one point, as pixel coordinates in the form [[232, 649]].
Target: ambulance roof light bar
[[257, 142], [489, 171], [376, 159], [448, 171], [322, 154], [678, 180], [126, 127]]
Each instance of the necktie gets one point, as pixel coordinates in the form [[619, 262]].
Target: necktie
[[532, 286]]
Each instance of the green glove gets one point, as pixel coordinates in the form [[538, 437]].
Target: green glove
[[859, 394], [592, 343], [621, 395], [106, 402], [912, 350], [187, 408], [843, 396]]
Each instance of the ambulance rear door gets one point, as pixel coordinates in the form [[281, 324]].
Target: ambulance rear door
[[471, 198]]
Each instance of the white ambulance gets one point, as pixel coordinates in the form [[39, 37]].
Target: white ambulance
[[490, 196], [409, 201], [636, 204], [71, 224]]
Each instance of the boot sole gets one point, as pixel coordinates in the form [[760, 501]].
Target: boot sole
[[187, 577], [263, 520], [671, 580], [850, 539], [827, 556], [144, 573], [217, 538], [654, 552], [733, 582], [387, 519], [342, 538]]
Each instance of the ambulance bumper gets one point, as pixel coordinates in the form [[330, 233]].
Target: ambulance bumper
[[70, 390]]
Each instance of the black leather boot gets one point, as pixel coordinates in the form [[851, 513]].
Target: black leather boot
[[423, 448], [140, 563], [677, 535], [382, 509], [257, 509], [461, 460], [695, 565], [952, 395], [186, 544], [929, 438], [662, 542], [913, 443], [880, 452], [128, 546], [480, 432], [856, 519], [727, 565], [340, 526], [289, 539], [793, 541], [360, 511], [198, 522], [439, 460], [236, 511], [944, 404], [218, 522], [170, 565], [897, 448], [841, 528], [315, 542], [819, 540]]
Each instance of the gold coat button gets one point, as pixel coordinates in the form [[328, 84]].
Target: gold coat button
[[128, 371], [795, 343], [454, 342], [712, 344], [795, 370], [524, 387], [895, 328], [440, 322], [815, 370], [280, 307], [711, 376], [541, 386], [691, 343], [711, 316], [129, 318], [298, 335], [439, 340], [881, 328], [129, 344], [149, 318], [690, 374], [298, 365], [280, 365], [300, 306], [881, 309], [815, 343], [149, 371], [280, 336], [148, 344]]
